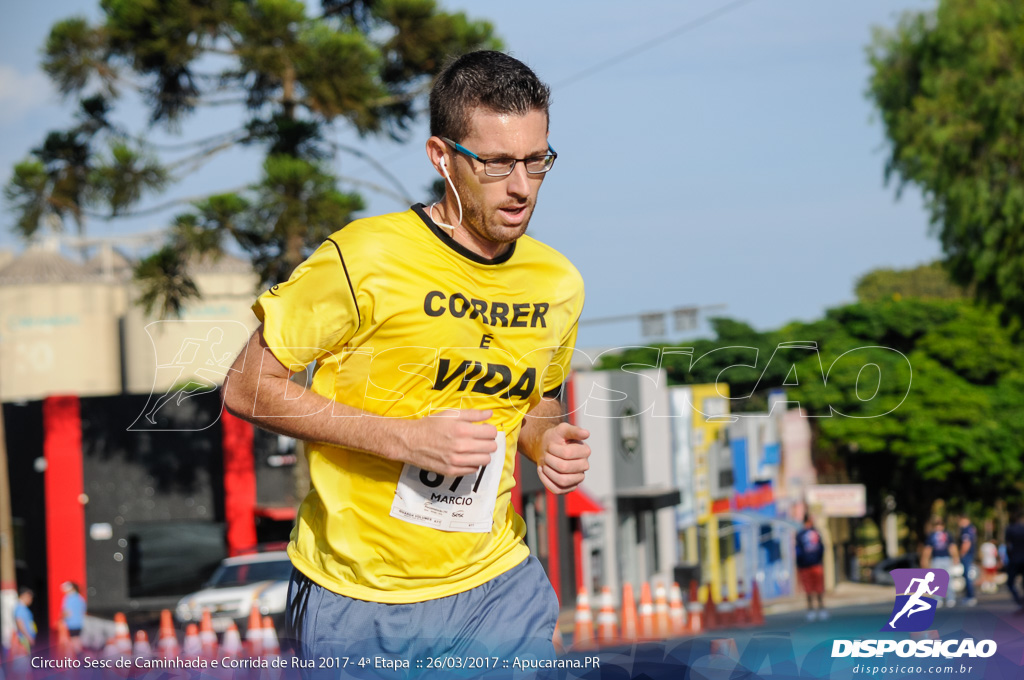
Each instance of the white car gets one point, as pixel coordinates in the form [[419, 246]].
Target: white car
[[260, 578]]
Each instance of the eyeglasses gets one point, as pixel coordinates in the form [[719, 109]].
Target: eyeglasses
[[503, 167]]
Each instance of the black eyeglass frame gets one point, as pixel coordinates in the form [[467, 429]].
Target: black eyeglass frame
[[488, 161]]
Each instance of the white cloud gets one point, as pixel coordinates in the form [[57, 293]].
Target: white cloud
[[21, 93]]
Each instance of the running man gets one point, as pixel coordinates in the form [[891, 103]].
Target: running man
[[915, 604], [441, 337]]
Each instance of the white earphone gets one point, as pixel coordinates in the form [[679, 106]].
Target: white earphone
[[450, 228]]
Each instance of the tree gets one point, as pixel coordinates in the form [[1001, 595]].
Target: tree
[[918, 398], [738, 356], [949, 86], [365, 64], [955, 433], [927, 282]]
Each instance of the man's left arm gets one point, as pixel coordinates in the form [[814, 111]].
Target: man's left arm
[[556, 446]]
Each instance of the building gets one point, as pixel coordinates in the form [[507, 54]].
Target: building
[[117, 444]]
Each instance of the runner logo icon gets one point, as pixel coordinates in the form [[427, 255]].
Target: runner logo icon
[[917, 593]]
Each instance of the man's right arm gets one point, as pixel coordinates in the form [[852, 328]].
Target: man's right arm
[[259, 391]]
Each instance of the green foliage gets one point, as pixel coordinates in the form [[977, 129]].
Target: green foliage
[[927, 282], [355, 97], [164, 283], [920, 399], [74, 54], [26, 192], [367, 64], [949, 86], [296, 206], [943, 429], [68, 176], [121, 180], [739, 357]]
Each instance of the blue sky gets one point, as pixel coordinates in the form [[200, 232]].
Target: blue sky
[[738, 163]]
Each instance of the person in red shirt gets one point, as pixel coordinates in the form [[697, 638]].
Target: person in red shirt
[[810, 553]]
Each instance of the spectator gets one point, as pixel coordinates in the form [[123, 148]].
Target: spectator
[[72, 611], [24, 622], [1015, 558], [989, 566], [810, 552], [968, 543], [940, 553]]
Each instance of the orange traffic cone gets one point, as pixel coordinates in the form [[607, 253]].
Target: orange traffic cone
[[142, 647], [207, 636], [232, 647], [743, 610], [254, 633], [63, 650], [167, 642], [192, 647], [646, 613], [710, 613], [629, 629], [723, 613], [696, 611], [756, 613], [111, 650], [583, 634], [271, 645], [725, 647], [607, 622], [662, 627], [121, 634], [676, 613], [271, 649]]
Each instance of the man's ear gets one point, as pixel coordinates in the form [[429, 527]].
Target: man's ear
[[437, 150]]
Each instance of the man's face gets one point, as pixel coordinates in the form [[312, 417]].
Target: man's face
[[498, 209]]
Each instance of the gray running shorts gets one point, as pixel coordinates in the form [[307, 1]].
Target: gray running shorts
[[474, 634]]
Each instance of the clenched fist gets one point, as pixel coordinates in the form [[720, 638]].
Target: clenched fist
[[565, 457], [451, 443]]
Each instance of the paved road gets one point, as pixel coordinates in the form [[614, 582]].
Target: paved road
[[789, 646]]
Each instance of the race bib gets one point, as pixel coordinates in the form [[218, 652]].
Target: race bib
[[450, 503]]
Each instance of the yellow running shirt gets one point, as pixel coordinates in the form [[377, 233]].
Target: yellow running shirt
[[402, 321]]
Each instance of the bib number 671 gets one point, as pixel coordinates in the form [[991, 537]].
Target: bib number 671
[[432, 480]]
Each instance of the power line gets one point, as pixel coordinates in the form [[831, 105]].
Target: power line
[[653, 42], [622, 56]]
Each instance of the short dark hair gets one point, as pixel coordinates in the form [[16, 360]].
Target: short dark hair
[[25, 590], [487, 79]]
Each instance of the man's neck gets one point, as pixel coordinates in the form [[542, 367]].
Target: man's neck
[[468, 239]]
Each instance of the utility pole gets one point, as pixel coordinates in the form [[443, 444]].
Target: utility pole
[[8, 577]]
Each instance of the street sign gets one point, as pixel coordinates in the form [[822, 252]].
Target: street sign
[[837, 500]]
